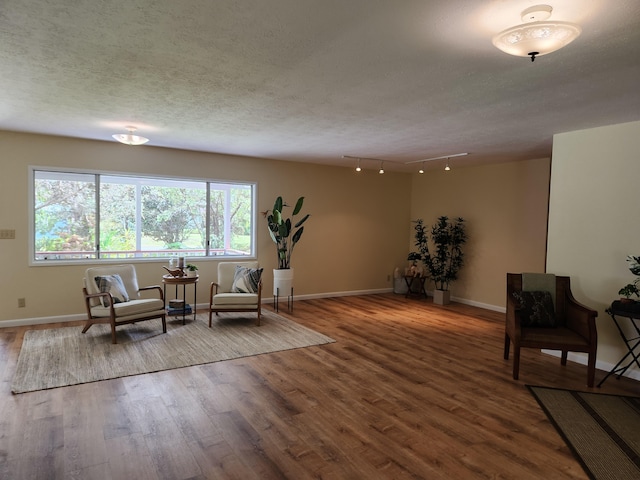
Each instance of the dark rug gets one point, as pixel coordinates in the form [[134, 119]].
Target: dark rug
[[603, 431]]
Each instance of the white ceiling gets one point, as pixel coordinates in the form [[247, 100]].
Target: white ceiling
[[314, 80]]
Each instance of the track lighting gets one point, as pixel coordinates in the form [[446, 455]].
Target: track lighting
[[381, 171], [358, 169], [421, 168]]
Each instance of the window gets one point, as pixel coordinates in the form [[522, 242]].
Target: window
[[79, 215]]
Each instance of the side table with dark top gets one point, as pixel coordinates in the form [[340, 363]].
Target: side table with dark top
[[631, 311], [415, 286], [184, 281]]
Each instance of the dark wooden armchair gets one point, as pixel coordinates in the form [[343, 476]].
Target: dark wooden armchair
[[575, 324]]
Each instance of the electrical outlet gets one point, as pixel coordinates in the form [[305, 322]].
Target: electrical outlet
[[7, 234], [22, 302]]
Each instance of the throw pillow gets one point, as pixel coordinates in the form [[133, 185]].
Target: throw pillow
[[536, 309], [114, 285], [246, 280]]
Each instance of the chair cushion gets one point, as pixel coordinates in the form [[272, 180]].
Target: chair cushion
[[112, 284], [226, 274], [535, 309], [554, 339], [225, 299], [133, 307], [246, 280], [127, 274]]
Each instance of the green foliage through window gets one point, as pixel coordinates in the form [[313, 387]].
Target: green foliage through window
[[95, 216]]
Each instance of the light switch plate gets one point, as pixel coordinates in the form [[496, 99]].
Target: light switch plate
[[7, 234]]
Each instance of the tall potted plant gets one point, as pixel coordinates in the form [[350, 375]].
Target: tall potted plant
[[285, 234], [447, 258]]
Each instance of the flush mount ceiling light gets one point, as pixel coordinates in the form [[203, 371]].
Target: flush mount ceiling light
[[130, 138], [536, 36]]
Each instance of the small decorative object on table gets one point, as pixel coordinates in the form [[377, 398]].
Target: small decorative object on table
[[192, 270], [175, 272]]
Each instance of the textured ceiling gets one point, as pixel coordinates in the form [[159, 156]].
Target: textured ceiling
[[314, 80]]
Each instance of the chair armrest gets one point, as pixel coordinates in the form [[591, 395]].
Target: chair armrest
[[213, 290], [153, 287], [512, 317], [88, 296], [580, 318]]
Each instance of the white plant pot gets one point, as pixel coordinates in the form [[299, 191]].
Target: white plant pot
[[441, 297], [282, 282], [191, 273]]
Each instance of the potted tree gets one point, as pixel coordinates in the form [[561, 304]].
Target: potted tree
[[446, 258], [285, 234]]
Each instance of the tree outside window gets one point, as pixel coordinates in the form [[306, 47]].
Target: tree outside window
[[135, 217]]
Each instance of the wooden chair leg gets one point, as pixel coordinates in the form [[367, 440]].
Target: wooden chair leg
[[210, 312], [164, 324], [113, 333], [563, 357], [516, 361], [507, 344], [591, 370]]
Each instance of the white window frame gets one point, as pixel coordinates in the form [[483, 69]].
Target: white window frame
[[87, 261]]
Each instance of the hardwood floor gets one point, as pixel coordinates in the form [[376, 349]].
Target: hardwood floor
[[409, 390]]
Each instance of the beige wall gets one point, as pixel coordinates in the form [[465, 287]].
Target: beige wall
[[352, 242], [593, 218], [505, 209]]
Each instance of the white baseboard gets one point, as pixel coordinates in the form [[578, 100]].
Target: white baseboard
[[21, 322], [203, 307], [582, 358], [473, 303]]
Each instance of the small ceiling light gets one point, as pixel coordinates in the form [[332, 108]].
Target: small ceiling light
[[421, 168], [358, 169], [130, 138], [536, 37], [381, 171], [447, 167]]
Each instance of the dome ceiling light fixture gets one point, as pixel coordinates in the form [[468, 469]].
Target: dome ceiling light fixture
[[130, 138], [536, 36]]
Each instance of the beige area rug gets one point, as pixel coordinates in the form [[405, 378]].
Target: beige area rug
[[64, 356], [603, 431]]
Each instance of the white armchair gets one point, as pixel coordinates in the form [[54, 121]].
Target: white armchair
[[237, 290], [112, 295]]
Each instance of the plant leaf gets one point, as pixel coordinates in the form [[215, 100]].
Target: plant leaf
[[304, 219], [298, 206]]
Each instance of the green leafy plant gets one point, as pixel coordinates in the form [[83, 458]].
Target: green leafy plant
[[632, 288], [191, 267], [280, 230], [628, 290], [446, 258]]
